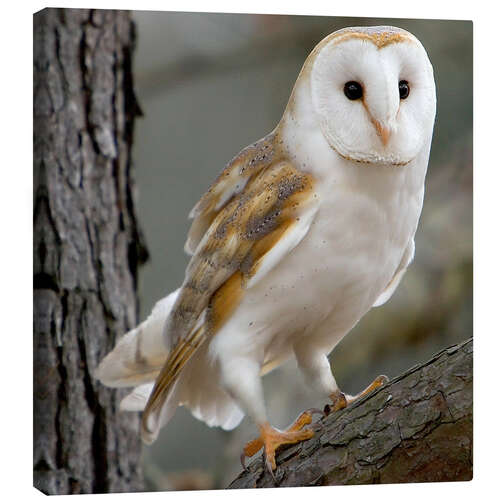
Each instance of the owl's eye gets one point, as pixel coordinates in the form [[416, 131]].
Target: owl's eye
[[404, 89], [353, 90]]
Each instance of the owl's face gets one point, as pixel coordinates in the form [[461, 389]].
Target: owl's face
[[373, 93]]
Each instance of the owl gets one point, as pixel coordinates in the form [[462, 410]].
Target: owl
[[300, 235]]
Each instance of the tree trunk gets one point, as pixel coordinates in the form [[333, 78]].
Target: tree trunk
[[87, 248], [417, 428]]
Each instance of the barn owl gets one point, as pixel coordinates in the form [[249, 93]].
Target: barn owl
[[301, 234]]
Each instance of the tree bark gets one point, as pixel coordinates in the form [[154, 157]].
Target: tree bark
[[87, 248], [417, 428]]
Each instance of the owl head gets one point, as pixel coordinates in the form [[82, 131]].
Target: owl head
[[371, 92]]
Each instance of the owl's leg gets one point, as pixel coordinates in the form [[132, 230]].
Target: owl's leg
[[241, 379], [317, 371], [315, 367]]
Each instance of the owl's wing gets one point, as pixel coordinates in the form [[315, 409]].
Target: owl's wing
[[245, 237], [246, 165], [408, 255]]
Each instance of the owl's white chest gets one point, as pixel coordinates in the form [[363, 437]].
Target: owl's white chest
[[364, 223]]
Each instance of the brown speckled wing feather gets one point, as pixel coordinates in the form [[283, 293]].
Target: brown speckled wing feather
[[237, 226], [240, 235], [231, 181]]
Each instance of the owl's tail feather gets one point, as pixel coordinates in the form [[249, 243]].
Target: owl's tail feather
[[139, 355], [164, 397], [188, 378], [137, 361], [197, 389]]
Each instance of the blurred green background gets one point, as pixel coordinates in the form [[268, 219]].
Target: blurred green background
[[210, 84]]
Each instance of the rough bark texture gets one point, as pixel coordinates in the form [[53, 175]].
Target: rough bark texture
[[418, 428], [86, 248]]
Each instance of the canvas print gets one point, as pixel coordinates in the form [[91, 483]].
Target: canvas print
[[252, 251]]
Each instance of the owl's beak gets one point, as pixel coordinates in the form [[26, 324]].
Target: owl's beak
[[383, 132]]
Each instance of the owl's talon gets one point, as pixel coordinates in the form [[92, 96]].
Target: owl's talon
[[243, 464], [339, 401], [272, 439], [269, 467], [305, 418]]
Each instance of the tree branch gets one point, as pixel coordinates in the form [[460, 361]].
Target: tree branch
[[417, 428]]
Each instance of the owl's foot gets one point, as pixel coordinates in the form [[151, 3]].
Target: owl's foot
[[271, 439], [378, 382], [341, 400]]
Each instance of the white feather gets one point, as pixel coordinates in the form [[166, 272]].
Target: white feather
[[198, 389], [394, 283], [139, 354], [203, 395], [137, 399], [286, 244]]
